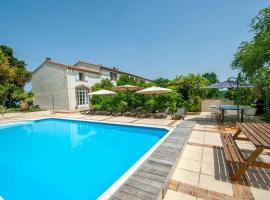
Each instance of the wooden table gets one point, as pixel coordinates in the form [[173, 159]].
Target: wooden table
[[259, 135]]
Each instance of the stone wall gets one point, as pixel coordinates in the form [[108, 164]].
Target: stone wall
[[206, 103]]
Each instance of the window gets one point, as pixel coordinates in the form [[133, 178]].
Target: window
[[113, 76], [81, 76], [82, 96]]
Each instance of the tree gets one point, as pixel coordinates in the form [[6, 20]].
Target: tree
[[128, 98], [190, 85], [191, 88], [105, 84], [3, 94], [253, 55], [126, 80], [13, 76], [161, 82], [102, 101], [253, 58], [7, 73], [212, 78], [22, 76], [187, 92]]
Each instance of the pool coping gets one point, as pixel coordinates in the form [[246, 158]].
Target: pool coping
[[124, 177], [90, 120]]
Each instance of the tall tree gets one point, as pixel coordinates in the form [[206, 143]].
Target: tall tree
[[191, 88], [126, 80], [22, 76], [13, 77], [211, 77], [161, 82], [105, 84], [253, 57], [255, 54], [7, 73]]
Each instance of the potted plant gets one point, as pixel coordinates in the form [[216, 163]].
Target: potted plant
[[25, 98]]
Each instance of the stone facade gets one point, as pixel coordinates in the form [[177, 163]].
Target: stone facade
[[49, 84]]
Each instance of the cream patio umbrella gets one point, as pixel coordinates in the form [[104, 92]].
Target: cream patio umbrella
[[154, 90], [127, 87], [102, 92]]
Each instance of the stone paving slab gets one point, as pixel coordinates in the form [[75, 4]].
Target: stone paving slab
[[208, 177]]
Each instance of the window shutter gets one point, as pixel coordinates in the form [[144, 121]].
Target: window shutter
[[77, 76]]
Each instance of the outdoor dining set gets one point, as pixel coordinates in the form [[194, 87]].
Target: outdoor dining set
[[233, 112], [257, 134]]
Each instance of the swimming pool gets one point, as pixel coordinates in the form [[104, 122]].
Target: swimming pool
[[68, 159]]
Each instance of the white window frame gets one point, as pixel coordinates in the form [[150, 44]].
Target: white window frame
[[81, 94]]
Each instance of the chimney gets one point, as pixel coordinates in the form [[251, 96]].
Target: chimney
[[48, 59]]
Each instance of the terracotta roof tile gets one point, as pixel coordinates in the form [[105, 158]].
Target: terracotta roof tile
[[77, 68], [89, 67]]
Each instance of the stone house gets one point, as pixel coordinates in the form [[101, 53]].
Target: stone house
[[65, 87]]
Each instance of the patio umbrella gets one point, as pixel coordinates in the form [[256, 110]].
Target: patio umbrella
[[230, 84], [102, 92], [127, 87], [154, 90]]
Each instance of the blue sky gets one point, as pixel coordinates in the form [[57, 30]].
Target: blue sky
[[151, 38]]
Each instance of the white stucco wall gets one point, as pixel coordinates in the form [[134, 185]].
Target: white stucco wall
[[90, 80], [105, 74], [49, 84]]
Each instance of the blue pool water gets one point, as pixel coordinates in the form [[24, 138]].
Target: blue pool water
[[65, 159]]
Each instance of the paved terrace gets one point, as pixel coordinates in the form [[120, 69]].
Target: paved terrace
[[9, 117], [201, 172]]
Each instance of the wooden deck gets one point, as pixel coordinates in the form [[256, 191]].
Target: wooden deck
[[150, 181]]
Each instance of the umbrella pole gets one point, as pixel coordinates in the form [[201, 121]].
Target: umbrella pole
[[237, 99], [237, 95], [127, 98]]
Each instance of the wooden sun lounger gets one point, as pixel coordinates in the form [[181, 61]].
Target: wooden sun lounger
[[114, 112], [179, 114], [258, 134], [86, 111], [160, 115], [132, 113]]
